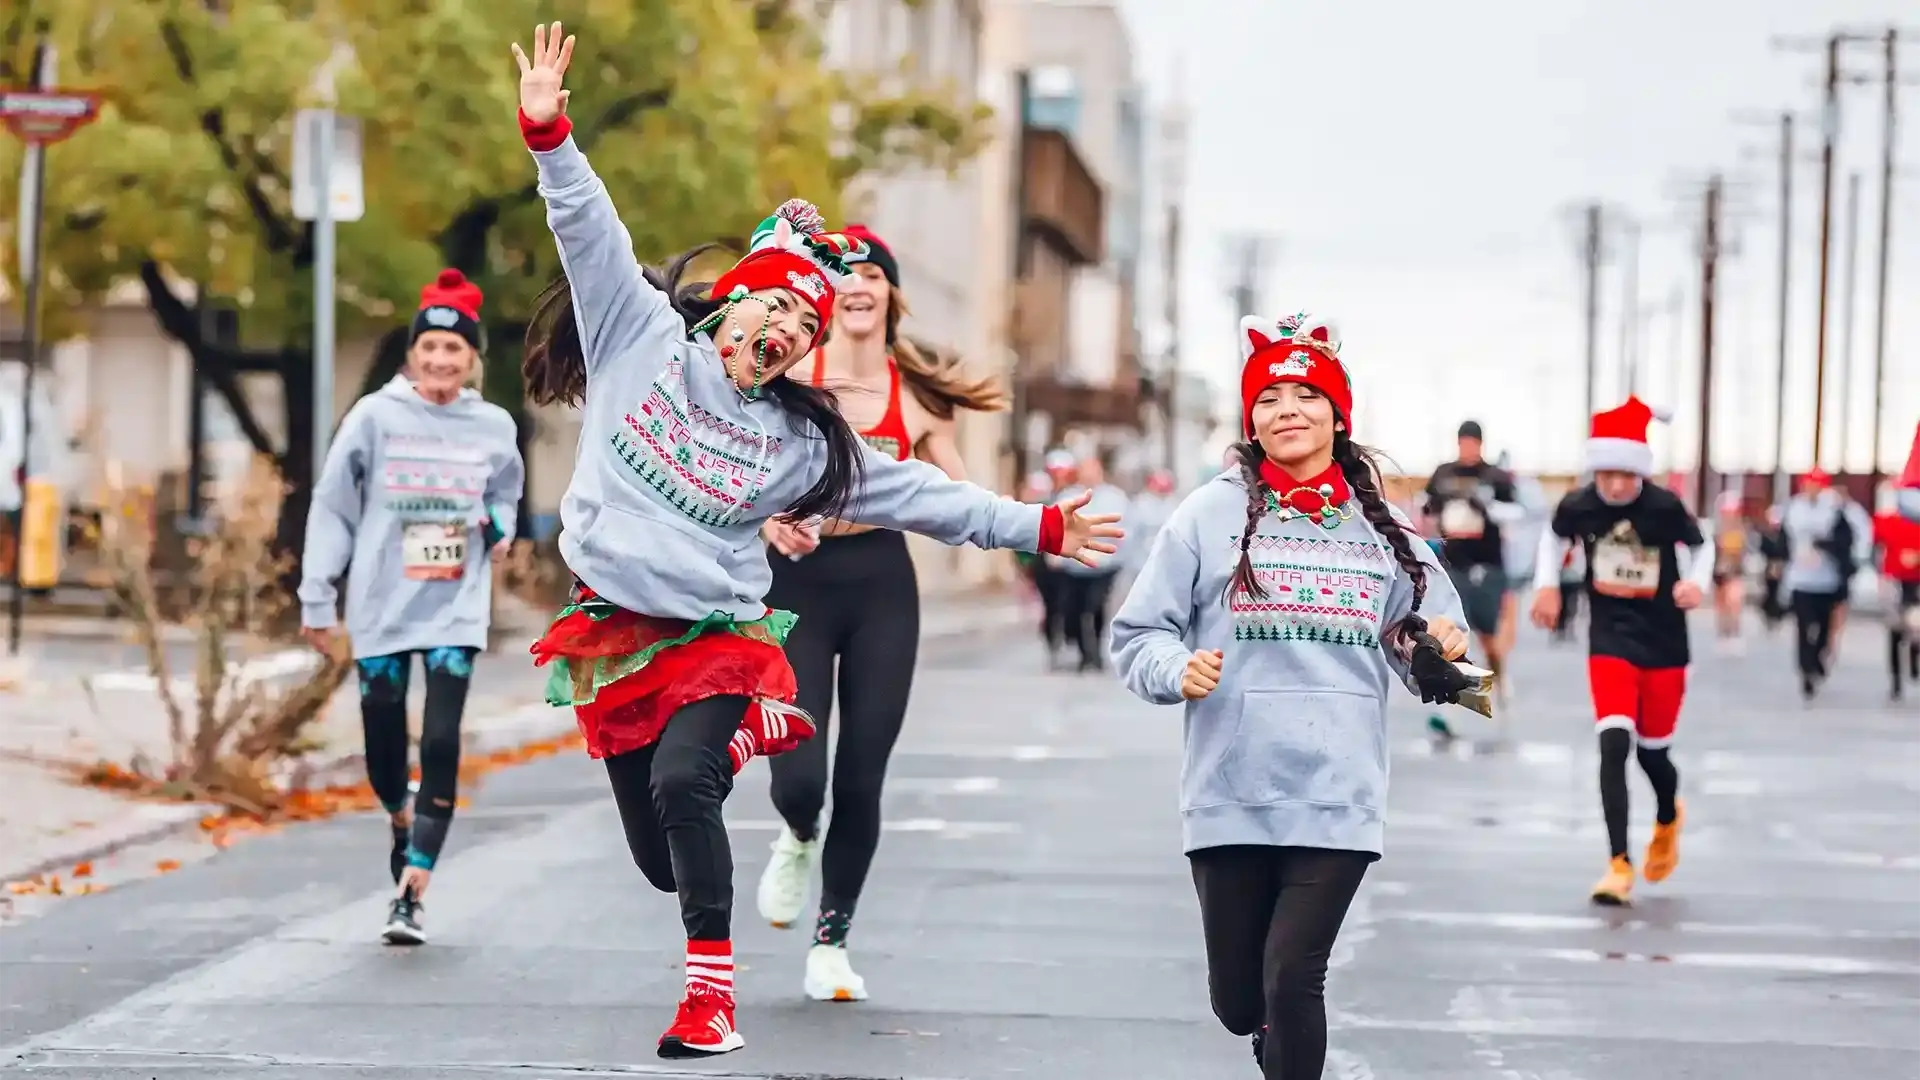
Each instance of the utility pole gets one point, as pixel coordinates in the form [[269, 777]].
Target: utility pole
[[1829, 131], [1249, 256], [1173, 173], [1630, 311], [1849, 276], [1889, 137], [1592, 255], [1020, 408], [1780, 486], [1709, 271]]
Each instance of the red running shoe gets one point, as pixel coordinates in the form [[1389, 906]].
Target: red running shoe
[[770, 727], [703, 1027]]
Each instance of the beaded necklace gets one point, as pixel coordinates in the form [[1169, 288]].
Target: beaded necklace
[[1328, 513]]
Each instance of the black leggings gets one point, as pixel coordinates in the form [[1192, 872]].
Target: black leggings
[[1615, 745], [669, 795], [383, 723], [859, 603], [1813, 621], [1903, 649], [1083, 611], [1270, 916]]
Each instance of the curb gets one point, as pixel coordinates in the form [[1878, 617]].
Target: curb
[[537, 722], [143, 824]]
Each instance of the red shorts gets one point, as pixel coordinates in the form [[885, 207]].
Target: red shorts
[[1645, 701]]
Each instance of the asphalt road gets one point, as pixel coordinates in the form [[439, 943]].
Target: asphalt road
[[1030, 916]]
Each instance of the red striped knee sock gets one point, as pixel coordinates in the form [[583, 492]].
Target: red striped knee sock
[[710, 968]]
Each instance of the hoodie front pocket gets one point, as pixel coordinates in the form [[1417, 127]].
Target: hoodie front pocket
[[1319, 746]]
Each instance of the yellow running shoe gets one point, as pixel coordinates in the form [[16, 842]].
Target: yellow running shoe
[[1616, 888], [1663, 852]]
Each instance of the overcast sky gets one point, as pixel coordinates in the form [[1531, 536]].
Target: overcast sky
[[1419, 167]]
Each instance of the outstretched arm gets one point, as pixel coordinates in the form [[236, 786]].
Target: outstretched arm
[[612, 303], [913, 496]]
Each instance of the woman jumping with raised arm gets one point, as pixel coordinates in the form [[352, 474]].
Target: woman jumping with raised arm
[[691, 439], [1280, 603]]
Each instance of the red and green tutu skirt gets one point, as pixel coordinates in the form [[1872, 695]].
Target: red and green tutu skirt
[[626, 674]]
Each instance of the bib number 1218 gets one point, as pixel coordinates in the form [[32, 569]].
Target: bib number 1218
[[434, 552]]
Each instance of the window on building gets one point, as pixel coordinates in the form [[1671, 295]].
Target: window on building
[[1053, 99]]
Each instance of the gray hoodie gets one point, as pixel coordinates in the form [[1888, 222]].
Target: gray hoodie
[[1810, 521], [675, 470], [402, 499], [1291, 748]]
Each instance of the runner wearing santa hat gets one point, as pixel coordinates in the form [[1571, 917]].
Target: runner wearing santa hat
[[1823, 553], [1906, 490], [1631, 532], [1899, 542]]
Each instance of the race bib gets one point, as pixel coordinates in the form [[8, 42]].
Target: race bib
[[1625, 571], [1460, 520], [1910, 558], [434, 552]]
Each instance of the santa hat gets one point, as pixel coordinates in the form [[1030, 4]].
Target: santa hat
[[1299, 349], [1618, 438], [790, 250], [1910, 476], [1061, 460], [451, 303]]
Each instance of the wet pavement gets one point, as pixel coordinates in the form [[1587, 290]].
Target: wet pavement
[[1030, 915]]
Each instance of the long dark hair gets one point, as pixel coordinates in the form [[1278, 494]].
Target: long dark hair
[[556, 373], [1360, 465]]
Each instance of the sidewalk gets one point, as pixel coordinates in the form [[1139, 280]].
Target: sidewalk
[[48, 822]]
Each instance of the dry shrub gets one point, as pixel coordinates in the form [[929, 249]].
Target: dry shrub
[[535, 574], [227, 734]]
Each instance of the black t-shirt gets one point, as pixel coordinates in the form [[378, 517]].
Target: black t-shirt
[[1632, 567], [1457, 498]]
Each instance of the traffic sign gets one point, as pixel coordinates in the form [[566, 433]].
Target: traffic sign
[[40, 117], [347, 190]]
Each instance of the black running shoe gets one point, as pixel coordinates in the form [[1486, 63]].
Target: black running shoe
[[403, 922]]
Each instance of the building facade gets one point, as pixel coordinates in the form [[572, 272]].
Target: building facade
[[1086, 113]]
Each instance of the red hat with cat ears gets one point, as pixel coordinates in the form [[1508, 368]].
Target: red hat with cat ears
[[1299, 349]]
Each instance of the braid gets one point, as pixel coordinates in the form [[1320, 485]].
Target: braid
[[1243, 580], [1357, 465]]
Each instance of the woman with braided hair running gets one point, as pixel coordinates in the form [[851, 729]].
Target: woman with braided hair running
[[1280, 603]]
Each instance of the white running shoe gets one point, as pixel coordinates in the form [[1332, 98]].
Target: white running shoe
[[783, 885], [830, 977]]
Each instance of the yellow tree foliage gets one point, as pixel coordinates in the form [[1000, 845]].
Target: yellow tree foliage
[[700, 114]]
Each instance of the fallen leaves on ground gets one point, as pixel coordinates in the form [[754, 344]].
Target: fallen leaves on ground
[[312, 804]]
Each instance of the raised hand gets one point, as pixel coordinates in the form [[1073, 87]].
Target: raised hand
[[541, 97], [1087, 534]]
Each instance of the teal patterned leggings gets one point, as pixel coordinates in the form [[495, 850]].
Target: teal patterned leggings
[[383, 720]]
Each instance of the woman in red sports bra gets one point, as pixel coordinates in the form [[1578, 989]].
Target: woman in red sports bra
[[858, 602]]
